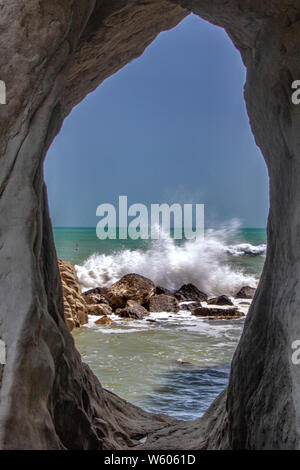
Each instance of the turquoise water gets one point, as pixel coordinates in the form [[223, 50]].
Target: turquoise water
[[76, 244], [179, 363]]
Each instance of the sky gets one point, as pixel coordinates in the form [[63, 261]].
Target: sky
[[169, 127]]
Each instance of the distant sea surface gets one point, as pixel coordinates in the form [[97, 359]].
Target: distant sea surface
[[178, 364]]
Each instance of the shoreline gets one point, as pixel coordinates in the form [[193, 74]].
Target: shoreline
[[134, 297]]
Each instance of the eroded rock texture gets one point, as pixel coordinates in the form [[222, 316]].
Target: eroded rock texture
[[75, 308], [52, 55], [131, 287]]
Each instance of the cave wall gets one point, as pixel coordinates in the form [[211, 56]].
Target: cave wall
[[52, 55]]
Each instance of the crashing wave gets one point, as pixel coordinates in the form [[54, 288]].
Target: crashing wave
[[169, 264], [246, 249]]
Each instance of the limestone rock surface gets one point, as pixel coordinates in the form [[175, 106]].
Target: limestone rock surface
[[75, 308]]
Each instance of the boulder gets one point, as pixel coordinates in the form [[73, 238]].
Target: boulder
[[99, 309], [132, 310], [163, 303], [218, 313], [191, 306], [95, 299], [75, 308], [220, 300], [246, 293], [130, 287], [105, 320], [162, 290], [95, 290], [190, 292]]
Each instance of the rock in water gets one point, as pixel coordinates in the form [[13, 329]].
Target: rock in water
[[95, 290], [220, 300], [191, 306], [105, 320], [163, 303], [162, 290], [75, 308], [218, 313], [190, 292], [99, 309], [130, 287], [246, 293], [132, 310], [95, 299]]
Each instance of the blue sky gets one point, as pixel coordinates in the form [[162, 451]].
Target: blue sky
[[171, 126]]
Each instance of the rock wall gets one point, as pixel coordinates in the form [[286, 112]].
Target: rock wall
[[52, 55], [75, 308]]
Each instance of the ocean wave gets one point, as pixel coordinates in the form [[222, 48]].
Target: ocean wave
[[205, 264], [243, 249]]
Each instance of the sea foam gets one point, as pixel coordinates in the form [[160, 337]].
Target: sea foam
[[169, 264]]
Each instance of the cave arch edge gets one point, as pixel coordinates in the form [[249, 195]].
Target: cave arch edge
[[261, 409]]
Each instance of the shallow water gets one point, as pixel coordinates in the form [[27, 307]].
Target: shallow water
[[176, 365], [180, 363]]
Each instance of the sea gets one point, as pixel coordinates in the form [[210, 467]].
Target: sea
[[175, 363]]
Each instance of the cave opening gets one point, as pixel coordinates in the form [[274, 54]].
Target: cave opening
[[63, 405], [169, 127]]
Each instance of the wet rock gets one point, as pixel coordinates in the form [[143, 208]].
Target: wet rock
[[190, 292], [162, 290], [163, 303], [75, 308], [228, 317], [218, 313], [132, 310], [99, 309], [105, 320], [246, 293], [220, 300], [95, 299], [95, 290], [191, 306], [130, 287]]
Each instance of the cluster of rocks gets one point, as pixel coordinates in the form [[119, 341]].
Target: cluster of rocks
[[134, 297]]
